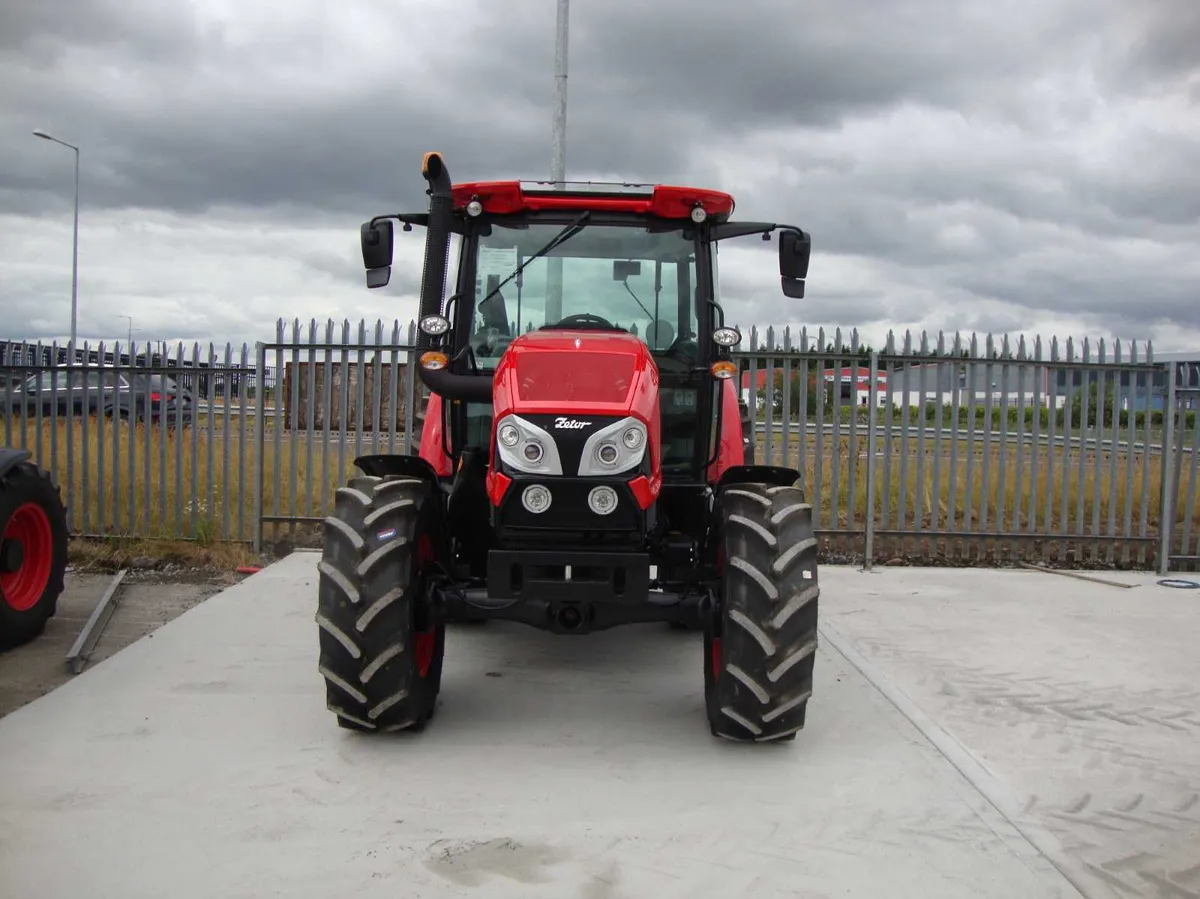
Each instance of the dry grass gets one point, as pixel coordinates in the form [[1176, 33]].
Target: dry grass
[[1005, 480], [171, 499], [116, 553], [178, 478]]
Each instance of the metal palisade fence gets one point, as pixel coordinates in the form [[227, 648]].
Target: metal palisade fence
[[955, 450]]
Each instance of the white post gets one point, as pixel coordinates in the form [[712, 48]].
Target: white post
[[558, 155]]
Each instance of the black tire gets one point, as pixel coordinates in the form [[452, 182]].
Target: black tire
[[29, 499], [381, 643], [760, 649]]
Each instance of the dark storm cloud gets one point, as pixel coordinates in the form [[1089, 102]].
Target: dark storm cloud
[[182, 127], [41, 33], [975, 162], [1161, 40]]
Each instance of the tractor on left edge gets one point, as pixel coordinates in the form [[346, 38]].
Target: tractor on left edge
[[33, 547]]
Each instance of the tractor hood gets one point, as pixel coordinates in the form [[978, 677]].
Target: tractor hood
[[583, 372]]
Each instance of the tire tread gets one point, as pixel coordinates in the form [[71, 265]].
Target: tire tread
[[366, 607], [768, 625]]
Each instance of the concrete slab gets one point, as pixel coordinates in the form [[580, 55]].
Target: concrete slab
[[202, 763], [1081, 700], [146, 603]]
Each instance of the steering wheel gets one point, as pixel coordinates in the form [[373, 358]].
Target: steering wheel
[[586, 318]]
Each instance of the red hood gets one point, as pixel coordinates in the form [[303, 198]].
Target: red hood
[[583, 372]]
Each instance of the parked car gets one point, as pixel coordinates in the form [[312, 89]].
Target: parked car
[[129, 396]]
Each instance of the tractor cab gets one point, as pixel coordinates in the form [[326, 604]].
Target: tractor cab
[[591, 261]]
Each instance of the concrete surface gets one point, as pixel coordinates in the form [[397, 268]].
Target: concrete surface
[[203, 763], [146, 603], [1081, 700]]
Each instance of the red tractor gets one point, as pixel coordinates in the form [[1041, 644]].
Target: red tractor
[[33, 548], [581, 463]]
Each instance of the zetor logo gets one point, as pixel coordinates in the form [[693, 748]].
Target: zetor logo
[[572, 424]]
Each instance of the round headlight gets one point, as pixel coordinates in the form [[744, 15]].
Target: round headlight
[[632, 438], [727, 337], [532, 451], [602, 500], [607, 453], [435, 325], [536, 499], [474, 208], [698, 214], [509, 435]]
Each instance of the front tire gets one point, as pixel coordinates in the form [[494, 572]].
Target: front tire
[[381, 643], [760, 649], [33, 553]]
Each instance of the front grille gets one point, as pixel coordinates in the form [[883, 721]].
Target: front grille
[[570, 440]]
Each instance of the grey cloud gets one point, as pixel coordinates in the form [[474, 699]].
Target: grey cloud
[[1160, 41], [308, 123]]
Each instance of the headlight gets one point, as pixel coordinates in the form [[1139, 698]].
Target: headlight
[[615, 449], [434, 325], [526, 448], [727, 337], [536, 499]]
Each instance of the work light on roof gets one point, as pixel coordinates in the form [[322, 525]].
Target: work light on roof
[[698, 214], [474, 208]]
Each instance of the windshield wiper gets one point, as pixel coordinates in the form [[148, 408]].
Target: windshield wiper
[[556, 241], [639, 302]]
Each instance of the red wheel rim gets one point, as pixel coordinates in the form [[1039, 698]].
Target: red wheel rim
[[29, 526], [716, 656], [423, 651]]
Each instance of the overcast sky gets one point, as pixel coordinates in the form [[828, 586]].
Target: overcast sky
[[1020, 167]]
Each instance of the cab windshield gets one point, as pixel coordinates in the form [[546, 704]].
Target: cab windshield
[[640, 280]]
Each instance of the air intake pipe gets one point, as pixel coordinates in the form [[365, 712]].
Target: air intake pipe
[[444, 382]]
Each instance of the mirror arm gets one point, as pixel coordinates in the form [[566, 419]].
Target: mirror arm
[[408, 219]]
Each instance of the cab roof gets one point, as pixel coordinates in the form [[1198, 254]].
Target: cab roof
[[659, 200]]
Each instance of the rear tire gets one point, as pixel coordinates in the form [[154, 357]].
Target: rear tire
[[760, 649], [381, 643], [33, 553]]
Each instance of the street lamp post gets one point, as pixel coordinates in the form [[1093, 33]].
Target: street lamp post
[[558, 153], [75, 243]]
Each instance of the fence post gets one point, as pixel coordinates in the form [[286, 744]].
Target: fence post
[[872, 399], [411, 390], [1166, 505], [260, 389]]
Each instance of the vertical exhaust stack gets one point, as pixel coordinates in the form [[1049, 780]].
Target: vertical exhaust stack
[[437, 238], [443, 381]]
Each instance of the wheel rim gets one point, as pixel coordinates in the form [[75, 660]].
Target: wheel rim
[[427, 639], [29, 526]]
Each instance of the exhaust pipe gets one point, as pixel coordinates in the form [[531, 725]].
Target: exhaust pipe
[[437, 237], [443, 382]]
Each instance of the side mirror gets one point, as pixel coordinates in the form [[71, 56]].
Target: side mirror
[[795, 247], [377, 242], [624, 269]]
